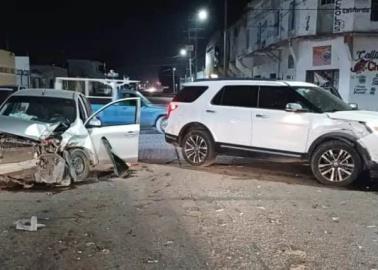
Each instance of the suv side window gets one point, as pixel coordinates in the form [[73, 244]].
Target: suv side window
[[190, 94], [277, 97], [237, 96]]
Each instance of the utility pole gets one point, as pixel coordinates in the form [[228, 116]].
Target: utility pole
[[191, 67], [225, 65], [173, 80], [195, 53], [7, 46]]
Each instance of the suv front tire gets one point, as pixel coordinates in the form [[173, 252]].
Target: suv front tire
[[336, 163], [198, 148]]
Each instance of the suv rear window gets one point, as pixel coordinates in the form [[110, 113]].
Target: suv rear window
[[190, 94], [237, 96]]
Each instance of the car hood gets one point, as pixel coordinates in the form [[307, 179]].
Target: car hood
[[360, 116], [25, 128]]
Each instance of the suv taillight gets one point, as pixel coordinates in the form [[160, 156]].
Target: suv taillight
[[171, 108]]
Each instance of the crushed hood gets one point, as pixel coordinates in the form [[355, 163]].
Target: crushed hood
[[25, 128], [360, 116]]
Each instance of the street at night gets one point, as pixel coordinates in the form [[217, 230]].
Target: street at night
[[204, 134]]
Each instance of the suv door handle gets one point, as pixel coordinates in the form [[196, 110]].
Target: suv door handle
[[263, 116], [210, 111]]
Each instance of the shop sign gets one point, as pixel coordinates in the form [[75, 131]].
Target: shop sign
[[366, 61]]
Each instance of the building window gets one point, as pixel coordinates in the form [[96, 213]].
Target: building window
[[374, 10], [272, 76], [292, 16], [327, 2], [248, 38], [277, 22], [290, 62], [7, 70], [259, 32]]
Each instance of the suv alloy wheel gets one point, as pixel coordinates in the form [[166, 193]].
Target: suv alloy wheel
[[336, 163], [198, 148]]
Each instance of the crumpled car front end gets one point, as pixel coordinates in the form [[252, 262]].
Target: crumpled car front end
[[53, 163]]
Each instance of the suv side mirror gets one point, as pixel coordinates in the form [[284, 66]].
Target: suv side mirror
[[354, 106], [294, 107], [95, 122]]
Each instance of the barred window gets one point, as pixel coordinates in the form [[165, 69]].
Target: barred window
[[374, 10]]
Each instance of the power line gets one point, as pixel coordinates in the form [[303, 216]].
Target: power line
[[309, 9]]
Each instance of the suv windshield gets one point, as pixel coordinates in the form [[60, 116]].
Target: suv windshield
[[40, 109], [322, 100]]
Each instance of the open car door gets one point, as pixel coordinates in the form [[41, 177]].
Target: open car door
[[119, 123]]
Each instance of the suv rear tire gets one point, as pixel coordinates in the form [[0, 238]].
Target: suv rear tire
[[198, 148], [336, 163]]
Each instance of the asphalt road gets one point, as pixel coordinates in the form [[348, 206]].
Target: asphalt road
[[241, 213]]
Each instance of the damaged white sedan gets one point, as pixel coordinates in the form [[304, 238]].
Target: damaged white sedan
[[68, 139]]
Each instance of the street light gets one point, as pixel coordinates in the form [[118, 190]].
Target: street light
[[187, 53], [203, 14], [183, 52]]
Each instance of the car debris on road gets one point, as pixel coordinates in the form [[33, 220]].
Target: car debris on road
[[30, 225]]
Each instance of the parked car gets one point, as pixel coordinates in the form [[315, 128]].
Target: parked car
[[292, 119], [63, 123], [152, 115], [102, 91]]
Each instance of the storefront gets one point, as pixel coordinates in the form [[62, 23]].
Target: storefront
[[348, 64]]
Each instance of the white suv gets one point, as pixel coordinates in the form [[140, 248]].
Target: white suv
[[293, 119]]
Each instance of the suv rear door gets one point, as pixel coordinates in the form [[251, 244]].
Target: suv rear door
[[229, 115], [274, 128]]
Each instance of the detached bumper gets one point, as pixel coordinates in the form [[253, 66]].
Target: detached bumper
[[172, 139]]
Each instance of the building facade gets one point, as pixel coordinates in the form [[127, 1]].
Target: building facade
[[23, 71], [43, 76], [86, 68], [7, 68], [332, 43]]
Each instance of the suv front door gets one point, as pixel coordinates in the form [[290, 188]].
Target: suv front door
[[274, 128], [229, 116]]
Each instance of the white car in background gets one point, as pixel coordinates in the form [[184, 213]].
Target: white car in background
[[292, 119]]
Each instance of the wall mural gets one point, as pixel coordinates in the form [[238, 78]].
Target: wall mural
[[365, 70], [322, 56], [364, 76]]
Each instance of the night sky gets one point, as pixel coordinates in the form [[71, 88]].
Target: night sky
[[135, 38]]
